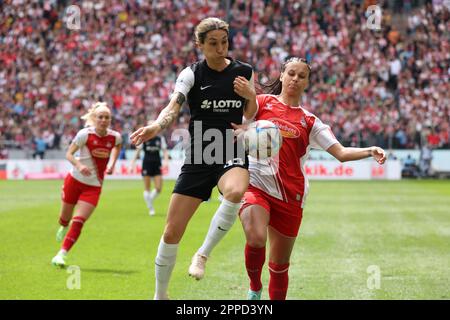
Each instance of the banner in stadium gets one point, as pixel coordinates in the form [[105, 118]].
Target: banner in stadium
[[314, 169]]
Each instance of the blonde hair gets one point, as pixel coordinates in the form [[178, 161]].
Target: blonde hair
[[89, 117], [207, 25]]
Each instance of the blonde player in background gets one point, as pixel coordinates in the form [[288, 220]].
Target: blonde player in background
[[99, 149]]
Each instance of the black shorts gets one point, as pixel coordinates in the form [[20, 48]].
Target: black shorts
[[151, 168], [198, 180]]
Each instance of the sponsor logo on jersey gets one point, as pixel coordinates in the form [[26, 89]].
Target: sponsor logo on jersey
[[100, 153], [221, 104], [287, 129]]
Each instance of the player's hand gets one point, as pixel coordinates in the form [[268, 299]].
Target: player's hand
[[109, 170], [378, 154], [84, 170], [143, 134], [239, 128], [243, 88]]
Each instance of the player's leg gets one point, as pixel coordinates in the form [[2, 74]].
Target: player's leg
[[65, 216], [157, 181], [147, 185], [84, 211], [69, 197], [255, 219], [181, 209], [285, 220], [232, 184], [279, 257]]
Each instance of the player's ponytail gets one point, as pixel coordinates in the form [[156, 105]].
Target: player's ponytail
[[275, 86], [89, 117]]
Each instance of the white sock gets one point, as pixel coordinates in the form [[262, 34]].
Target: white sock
[[222, 221], [164, 263], [147, 199], [62, 252], [153, 195]]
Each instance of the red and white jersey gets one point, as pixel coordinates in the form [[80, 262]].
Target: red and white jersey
[[283, 176], [94, 153]]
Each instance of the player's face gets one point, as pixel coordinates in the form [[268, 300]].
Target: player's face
[[295, 78], [102, 120], [215, 46]]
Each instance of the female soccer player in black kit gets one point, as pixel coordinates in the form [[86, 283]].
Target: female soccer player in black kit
[[151, 167], [218, 95]]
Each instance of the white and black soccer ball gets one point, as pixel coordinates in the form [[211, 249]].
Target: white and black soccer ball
[[262, 139]]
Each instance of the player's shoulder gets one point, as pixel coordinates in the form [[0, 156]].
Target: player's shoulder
[[113, 132], [194, 66], [86, 131], [243, 65]]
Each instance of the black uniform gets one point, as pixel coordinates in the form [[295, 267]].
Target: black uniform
[[214, 106], [151, 164]]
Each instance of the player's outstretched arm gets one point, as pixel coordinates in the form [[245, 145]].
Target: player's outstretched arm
[[344, 154], [165, 119]]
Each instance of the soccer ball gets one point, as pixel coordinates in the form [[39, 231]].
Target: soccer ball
[[262, 139]]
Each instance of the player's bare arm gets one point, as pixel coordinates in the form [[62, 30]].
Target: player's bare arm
[[344, 154], [165, 119], [114, 156], [246, 89], [74, 161]]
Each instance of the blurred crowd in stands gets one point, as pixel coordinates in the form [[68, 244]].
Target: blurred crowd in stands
[[388, 87]]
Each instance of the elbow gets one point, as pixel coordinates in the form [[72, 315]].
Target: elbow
[[342, 158]]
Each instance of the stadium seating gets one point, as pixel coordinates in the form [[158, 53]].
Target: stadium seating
[[387, 87]]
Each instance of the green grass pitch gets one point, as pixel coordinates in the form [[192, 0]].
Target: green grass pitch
[[402, 228]]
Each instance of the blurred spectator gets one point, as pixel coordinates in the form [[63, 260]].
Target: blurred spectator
[[410, 168], [40, 146]]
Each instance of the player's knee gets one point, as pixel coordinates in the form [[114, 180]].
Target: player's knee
[[256, 241], [172, 235], [234, 194], [256, 238]]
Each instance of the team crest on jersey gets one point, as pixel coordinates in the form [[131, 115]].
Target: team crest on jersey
[[287, 129], [109, 145], [268, 106], [303, 123]]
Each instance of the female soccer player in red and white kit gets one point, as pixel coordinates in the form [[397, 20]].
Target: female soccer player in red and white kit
[[82, 186], [273, 203]]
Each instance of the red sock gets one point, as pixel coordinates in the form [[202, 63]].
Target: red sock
[[74, 233], [254, 261], [279, 279], [63, 222]]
